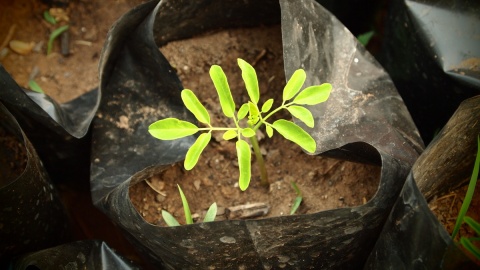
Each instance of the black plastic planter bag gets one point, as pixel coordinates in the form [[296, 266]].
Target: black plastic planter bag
[[31, 214], [57, 131], [413, 238], [364, 119], [88, 254], [432, 52]]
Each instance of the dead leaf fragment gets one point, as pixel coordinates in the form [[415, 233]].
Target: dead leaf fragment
[[21, 47]]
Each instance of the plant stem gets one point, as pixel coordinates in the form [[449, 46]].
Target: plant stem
[[260, 162]]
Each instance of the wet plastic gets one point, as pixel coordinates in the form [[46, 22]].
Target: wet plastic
[[364, 120]]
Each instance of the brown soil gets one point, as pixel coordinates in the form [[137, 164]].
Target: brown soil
[[325, 183]]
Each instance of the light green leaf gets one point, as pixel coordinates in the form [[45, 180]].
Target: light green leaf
[[48, 17], [35, 87], [248, 132], [242, 112], [169, 219], [225, 95], [303, 114], [254, 114], [250, 78], [193, 154], [244, 159], [57, 32], [186, 208], [473, 224], [193, 104], [267, 105], [314, 94], [269, 131], [296, 134], [470, 247], [211, 213], [229, 134], [296, 203], [172, 129], [294, 84]]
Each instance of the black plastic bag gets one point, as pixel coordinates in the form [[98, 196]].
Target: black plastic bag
[[413, 238], [365, 119], [431, 51]]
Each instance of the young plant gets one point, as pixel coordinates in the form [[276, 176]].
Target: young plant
[[171, 221], [467, 242], [298, 200], [293, 100], [55, 33]]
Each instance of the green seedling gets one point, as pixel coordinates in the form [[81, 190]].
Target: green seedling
[[57, 32], [293, 100], [49, 18], [171, 221], [298, 199], [467, 242], [35, 87], [365, 38]]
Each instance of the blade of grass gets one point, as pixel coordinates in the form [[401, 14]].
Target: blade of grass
[[57, 32]]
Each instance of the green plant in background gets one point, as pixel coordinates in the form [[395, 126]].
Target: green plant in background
[[468, 242], [171, 221], [293, 100], [55, 33]]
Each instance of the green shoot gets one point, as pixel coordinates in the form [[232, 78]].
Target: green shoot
[[294, 101], [365, 37], [48, 17], [298, 199], [57, 32], [467, 243], [35, 87], [171, 221]]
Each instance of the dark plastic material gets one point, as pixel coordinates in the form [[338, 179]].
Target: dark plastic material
[[365, 119], [31, 214], [89, 254], [432, 52], [413, 238]]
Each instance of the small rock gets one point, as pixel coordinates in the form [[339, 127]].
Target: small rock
[[197, 183], [160, 198]]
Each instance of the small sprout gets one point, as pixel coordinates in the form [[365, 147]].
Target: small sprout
[[298, 200], [294, 101], [35, 87], [365, 38], [49, 18], [57, 32]]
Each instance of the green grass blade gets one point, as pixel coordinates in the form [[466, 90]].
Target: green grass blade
[[195, 106], [303, 114], [211, 213], [48, 17], [469, 195], [35, 87], [244, 164], [473, 224], [313, 95], [169, 219], [193, 154], [223, 89], [250, 78], [186, 208], [468, 245], [298, 200], [296, 134], [365, 37], [172, 129], [57, 32], [294, 84]]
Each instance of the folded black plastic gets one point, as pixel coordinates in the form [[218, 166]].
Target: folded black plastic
[[364, 119], [31, 214], [413, 238], [57, 131], [432, 53], [87, 254]]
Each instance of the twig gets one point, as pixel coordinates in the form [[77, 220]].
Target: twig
[[9, 36], [156, 190]]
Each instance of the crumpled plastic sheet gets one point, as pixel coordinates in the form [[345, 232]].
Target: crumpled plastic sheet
[[364, 120]]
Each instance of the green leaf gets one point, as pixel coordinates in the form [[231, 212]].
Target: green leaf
[[250, 78], [254, 114], [298, 200], [294, 84], [169, 219], [303, 114], [35, 87], [473, 224], [193, 104], [193, 154], [267, 105], [248, 132], [242, 112], [211, 213], [269, 131], [221, 84], [57, 32], [244, 163], [314, 94], [48, 17], [186, 208], [172, 129], [365, 37], [229, 134], [296, 134], [470, 247]]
